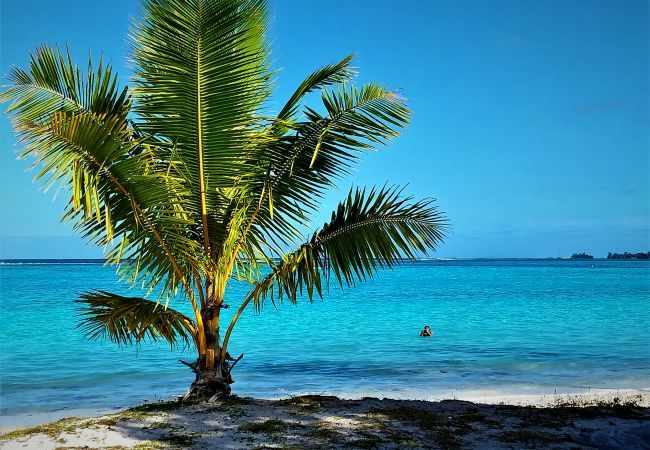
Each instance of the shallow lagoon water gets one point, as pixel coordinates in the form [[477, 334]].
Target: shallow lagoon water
[[509, 326]]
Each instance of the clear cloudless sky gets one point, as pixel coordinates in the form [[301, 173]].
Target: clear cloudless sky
[[530, 119]]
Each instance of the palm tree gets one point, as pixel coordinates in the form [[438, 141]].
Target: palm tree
[[188, 180]]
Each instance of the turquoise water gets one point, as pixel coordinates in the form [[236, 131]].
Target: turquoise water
[[509, 326]]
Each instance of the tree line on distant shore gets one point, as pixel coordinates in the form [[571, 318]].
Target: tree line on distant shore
[[581, 256], [627, 255], [610, 255]]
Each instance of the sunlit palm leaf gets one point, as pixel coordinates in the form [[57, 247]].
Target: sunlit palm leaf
[[368, 231], [73, 123], [296, 170], [325, 76], [54, 84], [201, 77], [128, 320], [326, 147]]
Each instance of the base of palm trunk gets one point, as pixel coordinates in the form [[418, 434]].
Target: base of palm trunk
[[208, 386]]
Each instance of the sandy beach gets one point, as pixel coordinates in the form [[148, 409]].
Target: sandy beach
[[607, 420]]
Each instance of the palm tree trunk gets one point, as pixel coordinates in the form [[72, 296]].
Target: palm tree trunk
[[212, 373]]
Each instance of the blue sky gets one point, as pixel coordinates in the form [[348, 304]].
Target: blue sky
[[530, 119]]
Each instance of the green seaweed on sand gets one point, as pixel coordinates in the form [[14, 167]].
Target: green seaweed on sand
[[52, 429], [424, 419], [530, 437], [282, 447], [103, 421], [232, 411], [148, 445], [307, 403], [366, 440], [161, 426], [324, 433], [443, 430], [270, 426], [181, 440]]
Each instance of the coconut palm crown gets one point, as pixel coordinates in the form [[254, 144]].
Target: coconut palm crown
[[188, 181]]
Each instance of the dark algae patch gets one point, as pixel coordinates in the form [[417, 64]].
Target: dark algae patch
[[309, 403], [439, 429], [531, 437], [324, 433], [270, 426], [178, 440]]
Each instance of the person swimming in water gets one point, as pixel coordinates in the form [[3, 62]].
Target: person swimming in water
[[426, 332]]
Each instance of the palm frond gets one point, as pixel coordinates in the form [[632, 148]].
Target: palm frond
[[74, 124], [303, 166], [131, 320], [54, 84], [330, 74], [368, 231], [201, 77]]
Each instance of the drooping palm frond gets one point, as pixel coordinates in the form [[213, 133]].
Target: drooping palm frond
[[128, 320], [201, 76], [368, 231]]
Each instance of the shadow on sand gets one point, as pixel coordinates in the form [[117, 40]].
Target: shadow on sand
[[328, 422], [314, 422]]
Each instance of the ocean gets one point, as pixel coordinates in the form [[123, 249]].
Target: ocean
[[500, 326]]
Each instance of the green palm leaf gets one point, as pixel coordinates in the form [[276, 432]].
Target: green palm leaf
[[330, 74], [370, 230], [128, 320], [201, 77], [298, 169], [54, 84]]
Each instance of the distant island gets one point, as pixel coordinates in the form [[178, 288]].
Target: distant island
[[627, 255], [581, 256]]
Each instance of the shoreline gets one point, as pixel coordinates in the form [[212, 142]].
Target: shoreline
[[618, 417]]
